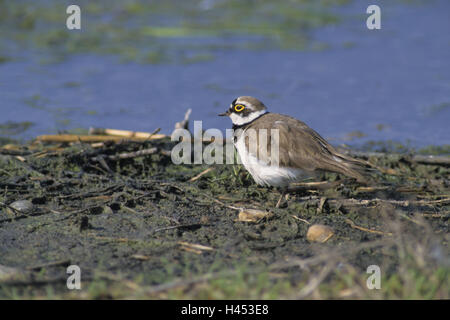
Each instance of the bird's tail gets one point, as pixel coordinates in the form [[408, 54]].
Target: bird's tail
[[354, 168]]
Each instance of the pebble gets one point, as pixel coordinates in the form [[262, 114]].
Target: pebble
[[22, 206], [252, 215], [319, 233]]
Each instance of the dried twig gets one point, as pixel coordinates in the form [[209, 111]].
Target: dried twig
[[316, 281], [127, 133], [91, 138], [319, 185], [300, 219], [63, 263], [178, 226], [184, 124], [221, 203], [201, 174], [14, 152], [227, 206], [114, 239], [196, 248], [354, 226], [127, 155], [372, 202], [444, 214], [322, 202]]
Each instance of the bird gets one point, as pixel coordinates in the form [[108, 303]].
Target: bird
[[302, 152]]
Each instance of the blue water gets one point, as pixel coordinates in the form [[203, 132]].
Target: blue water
[[393, 77]]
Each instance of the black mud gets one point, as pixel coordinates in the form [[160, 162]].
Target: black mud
[[141, 228]]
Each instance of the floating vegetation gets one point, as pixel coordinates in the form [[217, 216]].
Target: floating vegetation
[[160, 32], [437, 108], [11, 128]]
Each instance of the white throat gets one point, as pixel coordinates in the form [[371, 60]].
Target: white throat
[[239, 121]]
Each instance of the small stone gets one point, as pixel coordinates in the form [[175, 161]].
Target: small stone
[[319, 233], [20, 206], [252, 215], [107, 210], [140, 257]]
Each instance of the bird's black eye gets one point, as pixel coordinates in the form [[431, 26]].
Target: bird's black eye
[[239, 107]]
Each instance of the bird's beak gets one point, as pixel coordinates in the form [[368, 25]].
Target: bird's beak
[[227, 113]]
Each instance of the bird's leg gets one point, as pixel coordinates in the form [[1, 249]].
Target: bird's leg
[[283, 192]]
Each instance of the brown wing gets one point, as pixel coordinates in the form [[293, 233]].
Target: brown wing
[[302, 147]]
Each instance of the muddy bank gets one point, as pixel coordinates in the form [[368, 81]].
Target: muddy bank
[[143, 227]]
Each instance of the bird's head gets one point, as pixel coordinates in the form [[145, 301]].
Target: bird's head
[[244, 110]]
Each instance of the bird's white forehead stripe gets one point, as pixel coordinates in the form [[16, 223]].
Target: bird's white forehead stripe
[[245, 103]]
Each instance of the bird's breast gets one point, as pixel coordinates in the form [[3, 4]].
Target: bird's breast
[[262, 172]]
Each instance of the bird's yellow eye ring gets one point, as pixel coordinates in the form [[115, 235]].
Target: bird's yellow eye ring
[[239, 107]]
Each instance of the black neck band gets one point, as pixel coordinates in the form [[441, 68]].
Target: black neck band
[[239, 126]]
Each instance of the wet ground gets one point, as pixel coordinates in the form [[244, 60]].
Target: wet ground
[[143, 227]]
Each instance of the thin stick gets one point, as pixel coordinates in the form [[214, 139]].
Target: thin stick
[[300, 219], [195, 246], [222, 204], [184, 124], [281, 197], [128, 155], [201, 174], [63, 263], [92, 138], [354, 226], [442, 214], [127, 133], [319, 185], [14, 152], [367, 202], [178, 226], [115, 239], [316, 281], [227, 206]]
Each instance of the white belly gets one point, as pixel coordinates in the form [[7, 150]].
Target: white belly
[[265, 174]]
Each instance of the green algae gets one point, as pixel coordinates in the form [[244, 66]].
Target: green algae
[[133, 29]]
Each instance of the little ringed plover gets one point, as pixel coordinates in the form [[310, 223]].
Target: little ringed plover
[[301, 151]]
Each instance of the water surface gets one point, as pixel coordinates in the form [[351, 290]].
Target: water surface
[[349, 83]]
